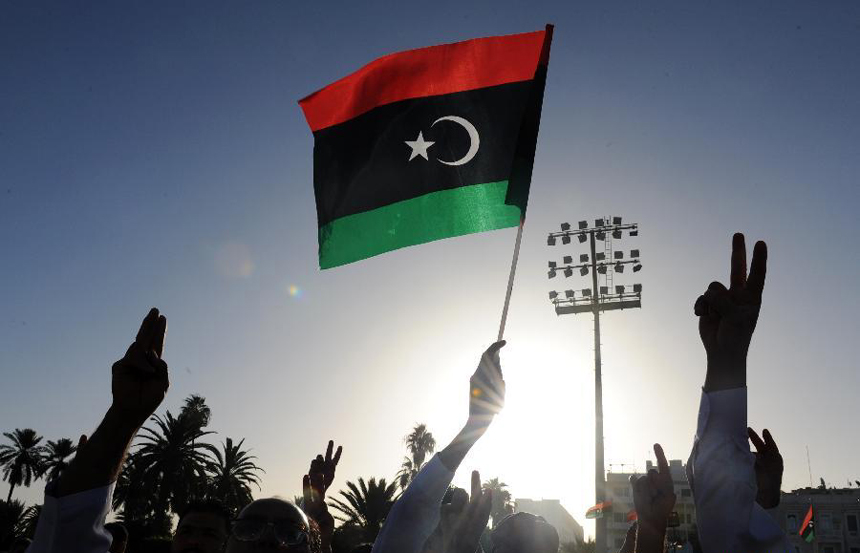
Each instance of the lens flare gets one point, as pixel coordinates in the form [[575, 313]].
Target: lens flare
[[295, 291]]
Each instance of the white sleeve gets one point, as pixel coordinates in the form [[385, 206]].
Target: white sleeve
[[721, 473], [415, 515], [73, 523]]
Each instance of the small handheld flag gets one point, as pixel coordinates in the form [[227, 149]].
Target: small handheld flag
[[426, 144]]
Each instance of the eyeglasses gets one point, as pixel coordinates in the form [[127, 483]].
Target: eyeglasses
[[285, 532]]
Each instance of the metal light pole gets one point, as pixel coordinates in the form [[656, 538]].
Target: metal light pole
[[600, 300]]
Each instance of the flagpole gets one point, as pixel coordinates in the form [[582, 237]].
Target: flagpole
[[511, 278]]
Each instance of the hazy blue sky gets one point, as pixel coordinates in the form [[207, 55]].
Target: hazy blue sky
[[153, 153]]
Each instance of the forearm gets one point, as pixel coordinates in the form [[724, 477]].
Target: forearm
[[99, 461], [650, 538], [725, 374], [456, 451]]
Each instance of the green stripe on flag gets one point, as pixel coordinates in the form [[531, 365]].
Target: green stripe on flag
[[433, 216]]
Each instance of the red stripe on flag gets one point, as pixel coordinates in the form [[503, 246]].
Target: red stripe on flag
[[430, 71]]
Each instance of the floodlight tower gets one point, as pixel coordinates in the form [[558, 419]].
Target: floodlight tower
[[600, 300]]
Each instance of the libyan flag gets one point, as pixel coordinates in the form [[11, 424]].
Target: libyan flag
[[807, 529], [426, 144], [599, 510]]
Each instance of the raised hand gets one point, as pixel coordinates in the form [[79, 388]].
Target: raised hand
[[327, 465], [464, 519], [314, 486], [487, 387], [728, 317], [768, 469], [140, 379], [654, 498]]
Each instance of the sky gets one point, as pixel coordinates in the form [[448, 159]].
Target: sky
[[153, 154]]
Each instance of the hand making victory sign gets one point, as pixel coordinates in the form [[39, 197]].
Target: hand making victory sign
[[315, 484], [654, 498], [728, 317]]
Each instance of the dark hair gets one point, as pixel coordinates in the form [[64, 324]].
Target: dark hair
[[209, 506], [117, 530]]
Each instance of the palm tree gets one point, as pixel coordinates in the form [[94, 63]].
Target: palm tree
[[502, 505], [366, 505], [56, 454], [171, 463], [22, 461], [420, 443], [11, 515], [27, 527], [231, 475], [196, 411]]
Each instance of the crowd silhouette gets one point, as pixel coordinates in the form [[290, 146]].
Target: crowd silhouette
[[732, 486]]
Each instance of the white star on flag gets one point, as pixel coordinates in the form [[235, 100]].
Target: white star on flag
[[419, 147]]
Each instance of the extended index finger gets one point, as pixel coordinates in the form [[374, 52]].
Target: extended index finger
[[662, 463], [476, 485], [739, 262], [328, 451], [757, 442], [144, 334]]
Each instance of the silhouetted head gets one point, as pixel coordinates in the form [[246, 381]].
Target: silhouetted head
[[524, 533], [119, 537], [273, 525], [203, 528]]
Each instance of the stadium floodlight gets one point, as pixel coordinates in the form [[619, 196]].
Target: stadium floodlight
[[634, 253], [565, 226], [616, 220], [600, 236], [601, 256], [568, 272], [604, 290], [634, 232], [553, 295], [619, 289], [601, 269], [583, 258], [582, 238], [586, 291], [550, 241], [583, 224], [619, 255], [552, 264], [583, 271], [637, 288], [616, 234], [568, 294], [619, 267], [637, 268], [565, 239], [598, 222], [550, 273], [567, 260]]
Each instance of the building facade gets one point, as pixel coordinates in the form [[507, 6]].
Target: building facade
[[837, 519], [551, 509], [619, 492]]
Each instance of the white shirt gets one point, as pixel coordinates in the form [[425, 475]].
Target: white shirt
[[415, 515], [721, 472], [73, 523]]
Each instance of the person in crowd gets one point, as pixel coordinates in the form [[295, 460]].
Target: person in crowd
[[654, 498], [273, 524], [118, 536], [721, 470], [462, 520], [416, 514], [524, 533], [203, 527], [76, 503]]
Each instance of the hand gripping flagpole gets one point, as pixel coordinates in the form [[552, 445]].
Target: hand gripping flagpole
[[511, 278]]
